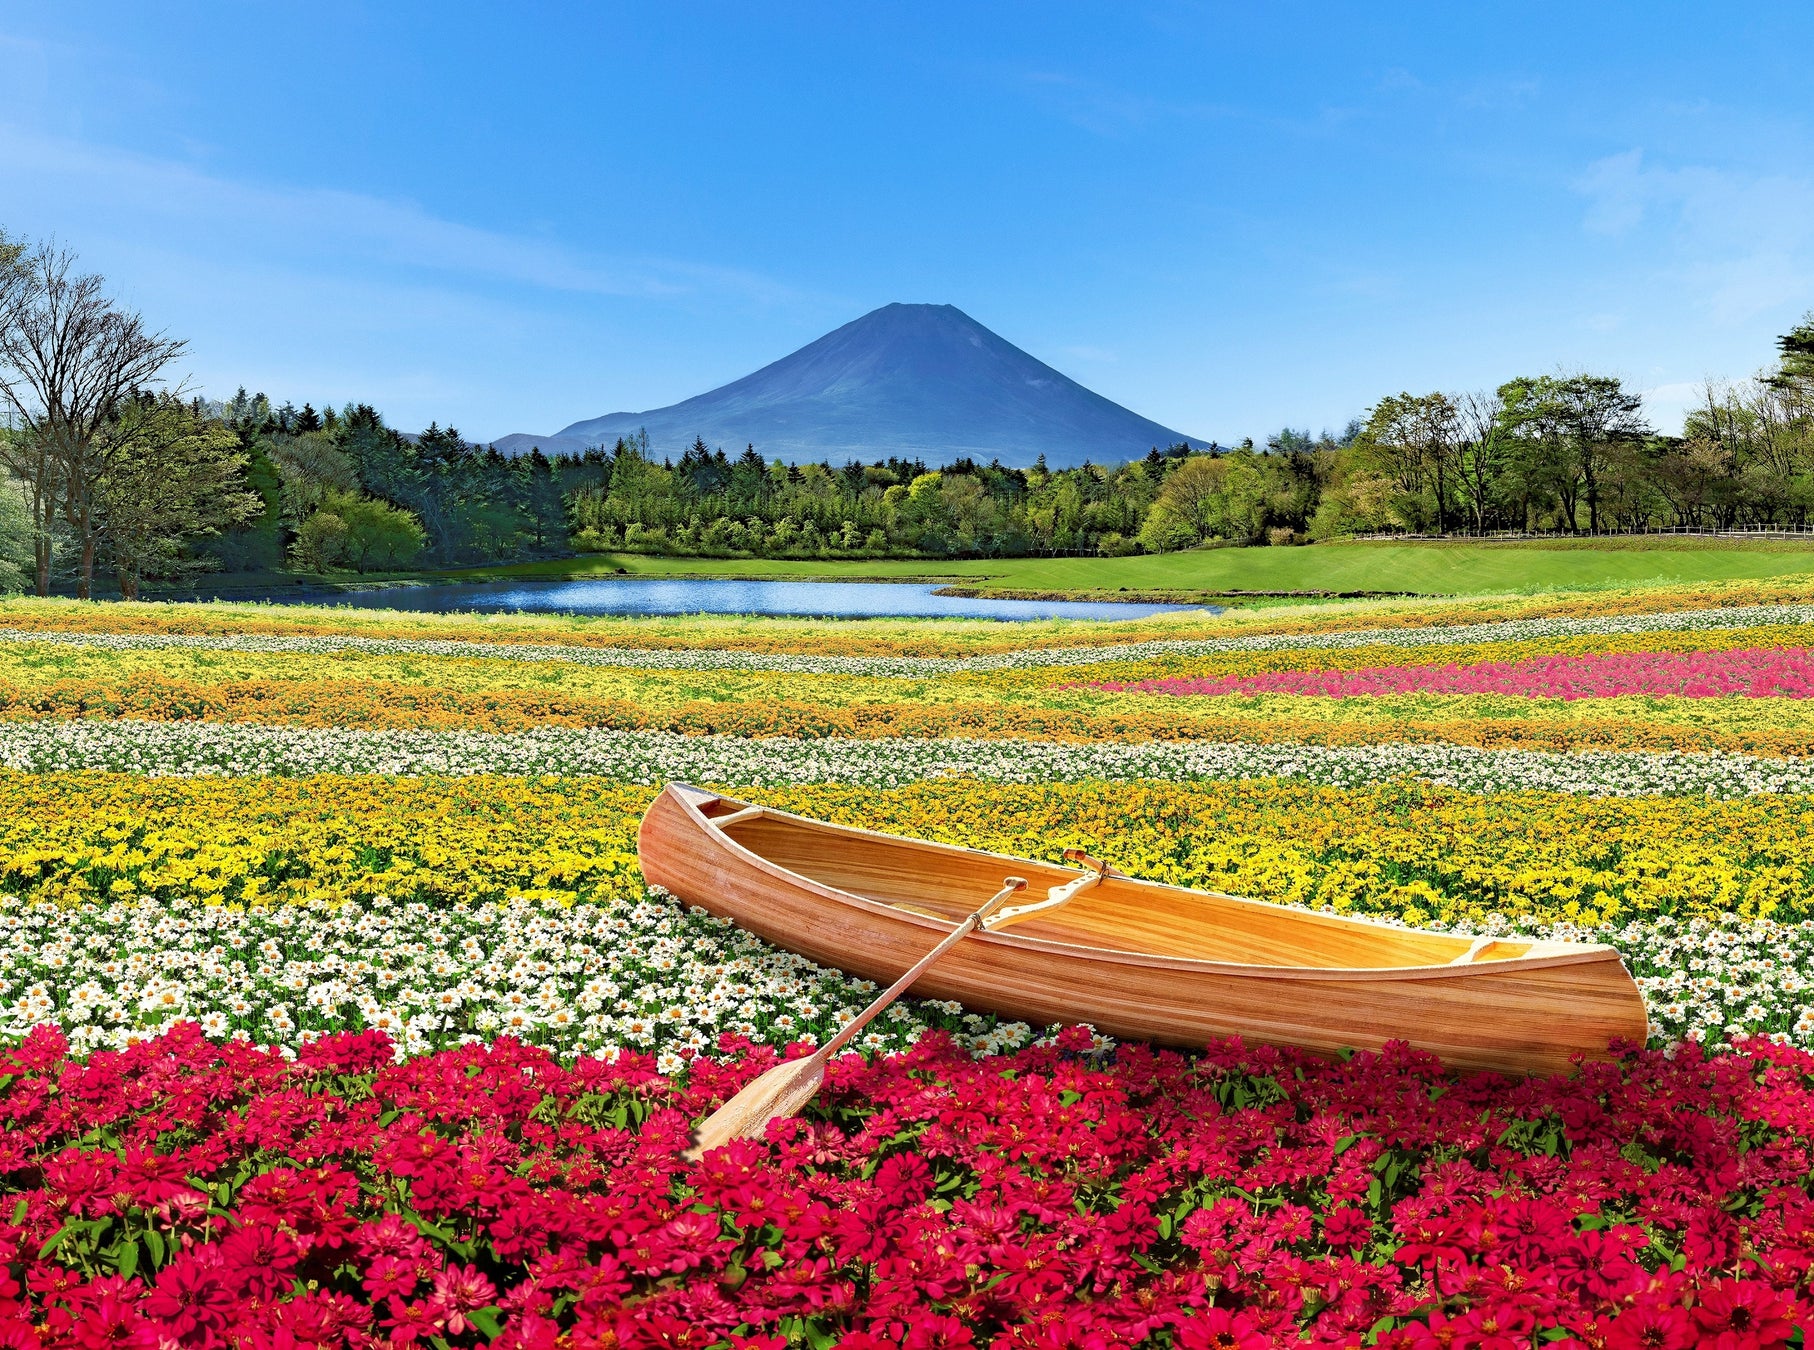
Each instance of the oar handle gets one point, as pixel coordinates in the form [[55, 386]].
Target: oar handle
[[1083, 858], [899, 987]]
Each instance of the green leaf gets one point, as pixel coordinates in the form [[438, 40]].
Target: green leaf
[[126, 1258], [154, 1244], [428, 1229], [486, 1320], [20, 1210], [56, 1239]]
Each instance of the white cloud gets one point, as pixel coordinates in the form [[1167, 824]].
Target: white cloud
[[1508, 93], [325, 222], [322, 293], [1667, 404], [1616, 193], [1096, 107], [1741, 243]]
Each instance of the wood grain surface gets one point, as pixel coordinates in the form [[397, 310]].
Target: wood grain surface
[[1136, 959]]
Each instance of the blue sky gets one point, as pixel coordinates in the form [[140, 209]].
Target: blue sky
[[1227, 217]]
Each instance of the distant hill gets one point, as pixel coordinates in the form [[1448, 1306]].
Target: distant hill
[[924, 381]]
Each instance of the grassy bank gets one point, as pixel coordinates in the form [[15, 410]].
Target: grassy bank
[[1446, 568], [1424, 569]]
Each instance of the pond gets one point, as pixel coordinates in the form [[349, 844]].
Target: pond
[[803, 599]]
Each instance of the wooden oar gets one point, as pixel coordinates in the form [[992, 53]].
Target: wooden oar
[[786, 1089]]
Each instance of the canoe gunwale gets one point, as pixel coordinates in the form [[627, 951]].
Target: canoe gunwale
[[683, 796]]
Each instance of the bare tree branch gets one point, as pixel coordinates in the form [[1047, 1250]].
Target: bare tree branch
[[69, 358]]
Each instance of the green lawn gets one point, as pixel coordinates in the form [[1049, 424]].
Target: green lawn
[[1425, 569], [1416, 569]]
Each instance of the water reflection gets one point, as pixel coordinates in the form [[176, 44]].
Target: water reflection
[[803, 599]]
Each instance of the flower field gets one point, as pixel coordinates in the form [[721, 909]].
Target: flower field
[[339, 1013], [1757, 672], [211, 1193]]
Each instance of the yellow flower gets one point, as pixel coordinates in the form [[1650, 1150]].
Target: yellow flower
[[1400, 849]]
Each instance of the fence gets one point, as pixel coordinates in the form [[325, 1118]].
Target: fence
[[1708, 532]]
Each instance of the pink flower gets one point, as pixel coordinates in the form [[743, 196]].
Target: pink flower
[[1743, 1315], [1759, 672], [409, 1322], [1221, 1329], [112, 1323], [460, 1290], [1651, 1326], [258, 1261], [1347, 1227], [190, 1299], [1023, 1202]]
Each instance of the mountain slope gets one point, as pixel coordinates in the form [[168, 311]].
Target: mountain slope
[[922, 381]]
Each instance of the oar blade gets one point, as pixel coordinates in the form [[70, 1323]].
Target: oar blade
[[783, 1091]]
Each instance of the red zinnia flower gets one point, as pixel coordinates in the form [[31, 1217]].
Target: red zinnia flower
[[190, 1299], [458, 1291], [1742, 1315], [259, 1261], [1347, 1227], [112, 1323], [1651, 1326], [1221, 1329]]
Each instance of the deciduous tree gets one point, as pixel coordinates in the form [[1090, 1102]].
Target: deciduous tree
[[171, 475], [69, 359]]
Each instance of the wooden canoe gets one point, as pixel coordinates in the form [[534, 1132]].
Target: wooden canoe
[[1136, 959]]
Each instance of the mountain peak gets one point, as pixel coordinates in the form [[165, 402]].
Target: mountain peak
[[915, 380]]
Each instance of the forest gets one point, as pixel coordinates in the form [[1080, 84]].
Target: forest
[[107, 469]]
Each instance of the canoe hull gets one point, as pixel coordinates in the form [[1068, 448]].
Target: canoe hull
[[1513, 1016]]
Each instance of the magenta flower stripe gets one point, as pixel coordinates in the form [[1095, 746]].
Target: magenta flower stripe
[[191, 1195], [1757, 672]]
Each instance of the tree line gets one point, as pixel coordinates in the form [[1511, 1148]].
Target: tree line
[[709, 503], [343, 491], [1570, 453], [108, 467], [1573, 453]]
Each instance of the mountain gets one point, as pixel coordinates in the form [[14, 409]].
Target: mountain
[[924, 381]]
